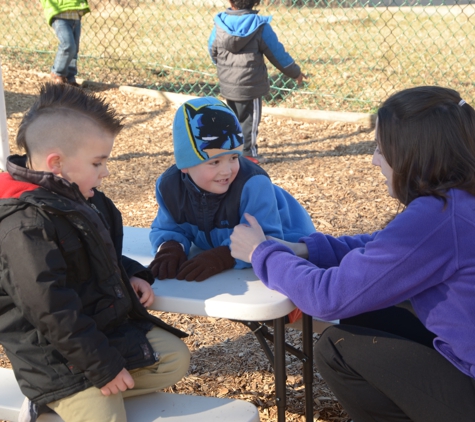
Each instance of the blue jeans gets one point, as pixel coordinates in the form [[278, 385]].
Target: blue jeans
[[68, 32]]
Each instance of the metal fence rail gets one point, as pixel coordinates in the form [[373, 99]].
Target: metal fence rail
[[355, 52]]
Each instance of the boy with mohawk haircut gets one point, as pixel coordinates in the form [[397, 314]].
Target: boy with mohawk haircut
[[73, 318]]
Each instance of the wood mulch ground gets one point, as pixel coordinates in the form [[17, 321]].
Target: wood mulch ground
[[326, 166]]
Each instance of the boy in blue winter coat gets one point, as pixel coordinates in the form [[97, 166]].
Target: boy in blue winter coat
[[238, 43], [206, 193]]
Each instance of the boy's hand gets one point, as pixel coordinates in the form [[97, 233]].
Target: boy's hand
[[167, 260], [143, 290], [206, 264], [246, 238], [121, 382], [300, 78]]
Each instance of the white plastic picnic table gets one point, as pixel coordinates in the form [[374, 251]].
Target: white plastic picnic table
[[233, 294]]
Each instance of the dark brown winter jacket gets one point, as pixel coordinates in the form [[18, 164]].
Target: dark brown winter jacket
[[69, 318]]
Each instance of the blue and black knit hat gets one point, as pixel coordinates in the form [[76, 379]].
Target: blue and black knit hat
[[205, 128]]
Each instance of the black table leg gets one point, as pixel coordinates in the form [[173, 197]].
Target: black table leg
[[279, 368], [277, 360], [307, 344]]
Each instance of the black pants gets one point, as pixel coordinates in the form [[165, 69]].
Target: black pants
[[377, 375], [249, 116]]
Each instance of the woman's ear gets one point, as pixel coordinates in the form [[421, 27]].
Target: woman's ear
[[54, 163]]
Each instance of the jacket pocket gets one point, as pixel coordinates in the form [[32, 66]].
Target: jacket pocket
[[74, 253], [132, 344]]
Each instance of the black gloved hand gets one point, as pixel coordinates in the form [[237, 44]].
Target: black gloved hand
[[206, 264], [167, 260]]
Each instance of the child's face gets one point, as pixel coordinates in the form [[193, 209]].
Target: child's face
[[215, 175], [88, 165]]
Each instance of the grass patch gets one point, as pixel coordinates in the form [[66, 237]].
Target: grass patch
[[354, 57]]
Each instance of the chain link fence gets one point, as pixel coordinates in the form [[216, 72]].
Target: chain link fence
[[354, 52]]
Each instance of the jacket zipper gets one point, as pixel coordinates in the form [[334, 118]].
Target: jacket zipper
[[204, 202]]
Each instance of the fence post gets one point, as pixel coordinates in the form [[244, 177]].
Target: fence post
[[5, 149]]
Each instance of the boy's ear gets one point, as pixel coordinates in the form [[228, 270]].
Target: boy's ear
[[184, 170], [54, 163]]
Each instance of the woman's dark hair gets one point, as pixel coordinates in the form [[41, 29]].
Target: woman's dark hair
[[63, 99], [244, 4], [427, 136]]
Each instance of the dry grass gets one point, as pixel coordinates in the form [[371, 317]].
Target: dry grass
[[354, 57], [327, 166]]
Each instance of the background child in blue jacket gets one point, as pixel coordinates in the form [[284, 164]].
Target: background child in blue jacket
[[206, 193], [238, 43]]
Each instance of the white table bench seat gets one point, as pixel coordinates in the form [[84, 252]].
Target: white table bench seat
[[147, 408], [237, 295]]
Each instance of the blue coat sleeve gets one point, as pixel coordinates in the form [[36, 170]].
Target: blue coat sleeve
[[258, 199], [164, 227], [212, 50], [279, 213], [275, 52]]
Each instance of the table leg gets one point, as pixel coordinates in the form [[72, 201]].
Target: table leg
[[307, 345], [277, 360], [279, 368]]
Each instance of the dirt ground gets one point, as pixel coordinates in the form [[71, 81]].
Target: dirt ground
[[326, 166]]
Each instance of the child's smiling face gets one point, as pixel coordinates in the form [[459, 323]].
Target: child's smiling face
[[216, 174]]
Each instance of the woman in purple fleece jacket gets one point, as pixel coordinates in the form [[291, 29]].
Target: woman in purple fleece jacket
[[405, 296]]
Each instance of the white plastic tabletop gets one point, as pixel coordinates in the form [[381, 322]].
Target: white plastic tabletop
[[233, 294]]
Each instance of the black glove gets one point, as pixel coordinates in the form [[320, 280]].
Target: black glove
[[167, 260], [206, 264]]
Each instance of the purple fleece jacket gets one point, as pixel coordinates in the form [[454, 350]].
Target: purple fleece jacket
[[426, 254]]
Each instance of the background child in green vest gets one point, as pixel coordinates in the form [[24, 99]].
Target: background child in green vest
[[64, 16]]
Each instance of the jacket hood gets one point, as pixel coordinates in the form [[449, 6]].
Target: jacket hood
[[11, 191], [241, 23], [11, 188], [16, 185], [23, 176]]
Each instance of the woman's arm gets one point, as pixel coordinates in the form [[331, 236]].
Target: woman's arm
[[299, 249], [412, 254]]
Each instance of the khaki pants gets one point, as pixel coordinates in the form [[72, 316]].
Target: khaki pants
[[91, 406]]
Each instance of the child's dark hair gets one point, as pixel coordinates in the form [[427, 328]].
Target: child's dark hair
[[244, 4], [427, 136], [65, 100]]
